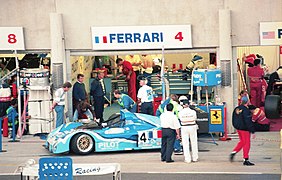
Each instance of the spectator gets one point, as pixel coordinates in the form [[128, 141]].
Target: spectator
[[125, 101], [59, 103]]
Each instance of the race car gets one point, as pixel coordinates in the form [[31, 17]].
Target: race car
[[122, 131]]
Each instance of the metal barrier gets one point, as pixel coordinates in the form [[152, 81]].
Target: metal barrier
[[32, 171]]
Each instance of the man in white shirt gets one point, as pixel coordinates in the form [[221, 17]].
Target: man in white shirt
[[170, 131], [145, 96], [59, 103], [189, 128]]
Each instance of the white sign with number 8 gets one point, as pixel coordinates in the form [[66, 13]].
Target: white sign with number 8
[[11, 38]]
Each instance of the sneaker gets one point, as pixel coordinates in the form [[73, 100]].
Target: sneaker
[[248, 163], [231, 157], [187, 162], [178, 153]]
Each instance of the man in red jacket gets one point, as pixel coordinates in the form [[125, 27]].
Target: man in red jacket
[[255, 75], [127, 70]]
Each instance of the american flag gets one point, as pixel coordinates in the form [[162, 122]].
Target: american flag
[[268, 35]]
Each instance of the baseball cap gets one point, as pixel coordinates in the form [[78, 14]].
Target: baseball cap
[[183, 100]]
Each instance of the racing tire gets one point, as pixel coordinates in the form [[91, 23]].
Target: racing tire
[[272, 106], [82, 144]]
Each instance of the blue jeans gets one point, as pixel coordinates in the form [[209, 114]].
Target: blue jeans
[[60, 115], [177, 146], [87, 113]]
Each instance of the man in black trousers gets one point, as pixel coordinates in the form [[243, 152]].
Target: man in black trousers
[[170, 131], [98, 91], [78, 91]]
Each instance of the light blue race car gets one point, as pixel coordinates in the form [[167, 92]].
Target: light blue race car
[[122, 131]]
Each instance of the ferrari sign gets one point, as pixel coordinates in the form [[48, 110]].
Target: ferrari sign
[[270, 33], [141, 37], [216, 116]]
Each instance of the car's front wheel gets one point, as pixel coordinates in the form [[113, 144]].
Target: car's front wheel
[[82, 144]]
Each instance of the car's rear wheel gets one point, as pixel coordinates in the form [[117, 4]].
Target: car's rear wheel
[[272, 106], [82, 144]]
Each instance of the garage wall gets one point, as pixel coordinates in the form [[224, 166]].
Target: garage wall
[[79, 16]]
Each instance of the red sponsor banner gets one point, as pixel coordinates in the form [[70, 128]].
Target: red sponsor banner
[[280, 49]]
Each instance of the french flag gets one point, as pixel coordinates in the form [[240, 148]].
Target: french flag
[[104, 38], [155, 134]]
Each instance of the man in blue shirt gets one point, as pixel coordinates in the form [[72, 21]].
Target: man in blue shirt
[[125, 101]]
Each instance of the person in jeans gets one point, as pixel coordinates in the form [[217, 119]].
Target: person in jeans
[[59, 103]]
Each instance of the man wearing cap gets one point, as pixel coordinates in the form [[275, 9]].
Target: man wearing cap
[[255, 75], [125, 101], [145, 96], [189, 128], [242, 121]]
